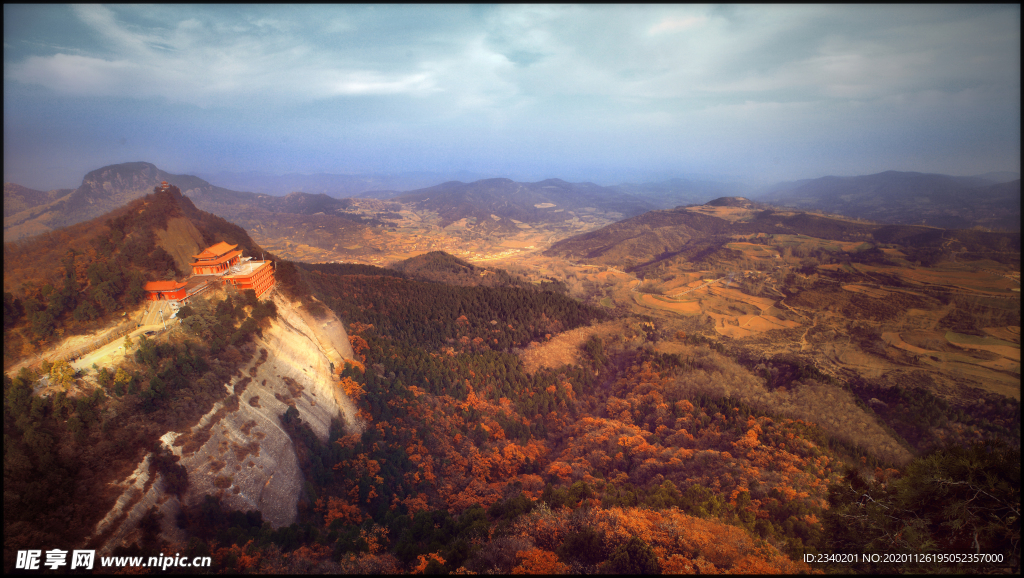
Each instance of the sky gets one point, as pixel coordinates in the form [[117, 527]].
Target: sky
[[600, 93]]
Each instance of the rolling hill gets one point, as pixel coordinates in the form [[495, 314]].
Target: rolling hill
[[440, 267], [909, 198], [689, 232], [505, 201], [676, 192]]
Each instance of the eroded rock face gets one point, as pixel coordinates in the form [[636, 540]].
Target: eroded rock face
[[305, 352], [239, 450]]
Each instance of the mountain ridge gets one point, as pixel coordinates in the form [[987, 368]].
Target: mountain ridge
[[334, 185], [907, 198], [646, 239], [542, 201], [101, 191]]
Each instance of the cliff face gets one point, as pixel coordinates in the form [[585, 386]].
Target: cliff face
[[239, 450]]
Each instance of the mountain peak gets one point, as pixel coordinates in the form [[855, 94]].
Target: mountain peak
[[102, 190], [121, 168]]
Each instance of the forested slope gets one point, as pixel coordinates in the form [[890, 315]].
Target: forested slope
[[629, 461], [469, 461]]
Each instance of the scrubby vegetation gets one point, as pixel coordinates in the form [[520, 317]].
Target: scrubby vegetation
[[61, 452], [955, 500]]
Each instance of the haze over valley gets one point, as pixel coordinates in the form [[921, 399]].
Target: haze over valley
[[513, 289]]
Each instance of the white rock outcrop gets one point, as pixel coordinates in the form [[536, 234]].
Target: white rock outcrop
[[239, 450]]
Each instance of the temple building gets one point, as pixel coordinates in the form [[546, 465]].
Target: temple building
[[161, 290], [216, 259], [217, 265], [255, 275]]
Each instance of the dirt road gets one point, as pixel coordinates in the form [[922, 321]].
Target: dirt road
[[111, 353]]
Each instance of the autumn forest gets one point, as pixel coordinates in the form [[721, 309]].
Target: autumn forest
[[657, 449], [618, 464]]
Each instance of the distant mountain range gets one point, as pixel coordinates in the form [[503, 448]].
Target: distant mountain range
[[551, 200], [990, 200], [28, 212], [336, 185], [110, 187]]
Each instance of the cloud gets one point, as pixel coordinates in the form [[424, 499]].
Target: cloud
[[74, 74], [211, 63], [515, 55], [676, 24], [103, 21], [528, 83], [361, 82]]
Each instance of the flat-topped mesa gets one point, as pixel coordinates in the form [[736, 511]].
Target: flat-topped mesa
[[741, 202]]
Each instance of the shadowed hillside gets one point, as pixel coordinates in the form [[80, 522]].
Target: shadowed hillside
[[663, 234], [18, 198], [504, 200], [911, 198], [440, 267]]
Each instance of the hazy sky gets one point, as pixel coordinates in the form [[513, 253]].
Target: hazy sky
[[600, 93]]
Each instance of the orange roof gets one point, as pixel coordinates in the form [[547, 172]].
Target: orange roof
[[154, 286], [214, 251], [218, 260]]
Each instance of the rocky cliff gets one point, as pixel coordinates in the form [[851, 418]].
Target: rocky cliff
[[239, 451]]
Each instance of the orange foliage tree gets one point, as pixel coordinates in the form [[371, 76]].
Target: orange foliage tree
[[536, 561]]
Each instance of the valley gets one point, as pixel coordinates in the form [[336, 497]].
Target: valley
[[406, 231], [772, 293], [443, 383]]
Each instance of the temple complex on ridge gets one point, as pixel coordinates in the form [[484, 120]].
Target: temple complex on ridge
[[216, 259], [221, 264]]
